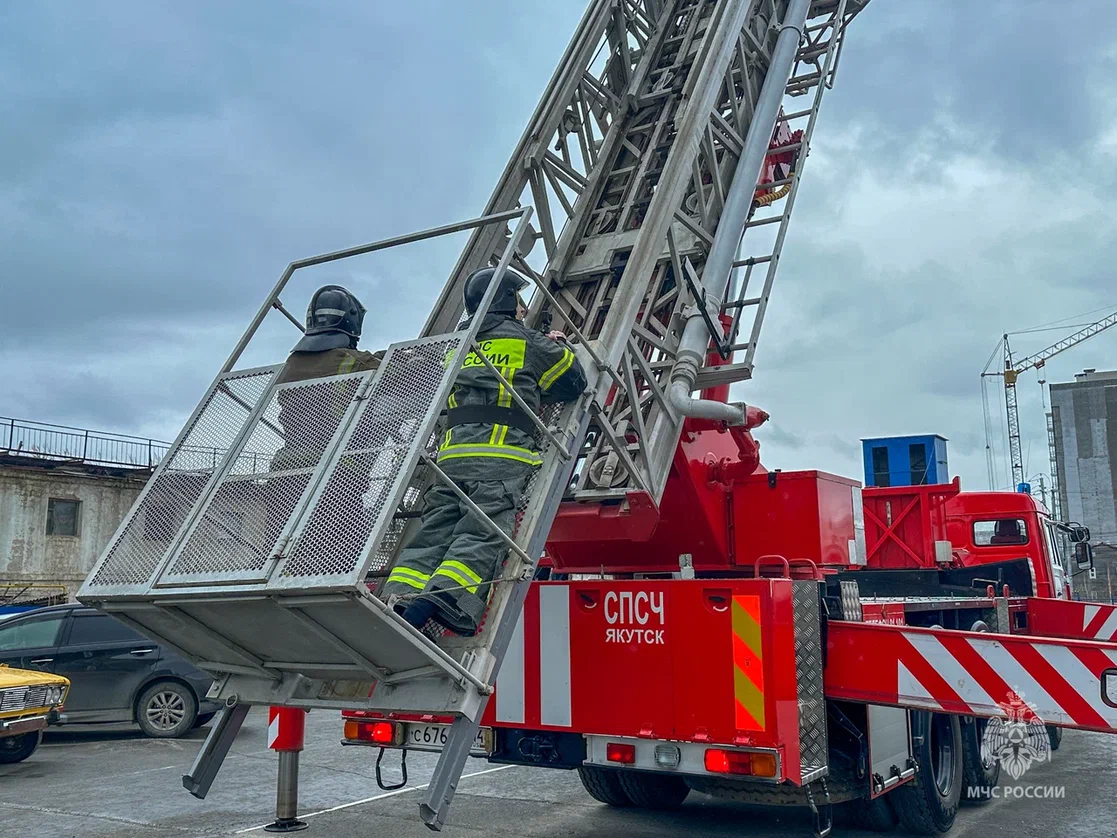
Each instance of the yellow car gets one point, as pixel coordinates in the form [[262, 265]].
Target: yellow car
[[27, 701]]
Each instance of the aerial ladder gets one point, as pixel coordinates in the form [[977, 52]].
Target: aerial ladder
[[648, 201], [1014, 367]]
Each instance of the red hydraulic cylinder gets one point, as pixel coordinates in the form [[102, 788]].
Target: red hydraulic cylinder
[[286, 728], [286, 733]]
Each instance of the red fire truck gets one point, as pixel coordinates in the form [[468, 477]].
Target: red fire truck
[[677, 650]]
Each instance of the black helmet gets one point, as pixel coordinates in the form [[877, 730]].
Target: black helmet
[[507, 295], [333, 320]]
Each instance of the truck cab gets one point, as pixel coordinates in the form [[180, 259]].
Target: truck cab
[[991, 528]]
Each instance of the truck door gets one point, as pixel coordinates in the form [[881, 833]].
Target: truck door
[[1056, 558]]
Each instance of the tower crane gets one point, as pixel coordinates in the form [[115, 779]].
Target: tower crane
[[1013, 368]]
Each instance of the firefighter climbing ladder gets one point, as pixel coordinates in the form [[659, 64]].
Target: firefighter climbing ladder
[[638, 173]]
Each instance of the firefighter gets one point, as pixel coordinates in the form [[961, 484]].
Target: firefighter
[[307, 416], [488, 449], [329, 347]]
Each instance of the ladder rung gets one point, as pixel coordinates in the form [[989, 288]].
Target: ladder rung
[[780, 149], [775, 219], [750, 301], [798, 114], [752, 260]]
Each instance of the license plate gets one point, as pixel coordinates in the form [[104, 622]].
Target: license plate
[[434, 738]]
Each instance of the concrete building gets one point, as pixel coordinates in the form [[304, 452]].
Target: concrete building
[[1084, 419], [63, 492]]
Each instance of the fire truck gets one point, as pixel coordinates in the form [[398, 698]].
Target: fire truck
[[705, 623]]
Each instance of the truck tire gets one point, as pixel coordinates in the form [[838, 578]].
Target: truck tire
[[928, 803], [19, 748], [1055, 734], [654, 791], [875, 815], [979, 777], [603, 785]]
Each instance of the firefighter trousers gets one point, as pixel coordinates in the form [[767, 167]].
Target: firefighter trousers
[[454, 554]]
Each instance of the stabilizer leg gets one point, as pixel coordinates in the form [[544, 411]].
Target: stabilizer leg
[[214, 750]]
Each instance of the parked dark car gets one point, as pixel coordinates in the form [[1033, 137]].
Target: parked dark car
[[116, 674]]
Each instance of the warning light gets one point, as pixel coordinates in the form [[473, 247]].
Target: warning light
[[616, 752], [383, 733], [720, 761]]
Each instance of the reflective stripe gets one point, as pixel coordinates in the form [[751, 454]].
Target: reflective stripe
[[464, 569], [554, 373], [450, 573], [346, 365], [409, 571], [396, 576], [508, 452], [503, 399]]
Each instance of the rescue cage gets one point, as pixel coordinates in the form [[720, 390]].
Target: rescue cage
[[257, 569]]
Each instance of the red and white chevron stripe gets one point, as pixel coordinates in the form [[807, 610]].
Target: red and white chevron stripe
[[979, 675], [1100, 622]]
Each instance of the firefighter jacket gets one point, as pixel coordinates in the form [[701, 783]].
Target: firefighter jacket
[[307, 417], [486, 434]]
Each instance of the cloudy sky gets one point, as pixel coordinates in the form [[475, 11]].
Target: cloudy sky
[[160, 163]]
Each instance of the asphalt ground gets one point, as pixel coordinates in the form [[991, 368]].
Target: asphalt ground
[[98, 781]]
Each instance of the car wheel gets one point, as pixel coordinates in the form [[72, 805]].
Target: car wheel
[[19, 748], [203, 720], [166, 710]]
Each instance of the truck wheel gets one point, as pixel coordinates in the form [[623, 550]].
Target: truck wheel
[[654, 791], [875, 815], [19, 748], [1055, 734], [603, 785], [166, 710], [979, 776], [928, 803]]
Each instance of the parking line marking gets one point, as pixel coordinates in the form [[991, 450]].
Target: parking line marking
[[377, 797]]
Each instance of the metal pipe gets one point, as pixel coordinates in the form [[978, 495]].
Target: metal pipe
[[695, 340], [287, 795]]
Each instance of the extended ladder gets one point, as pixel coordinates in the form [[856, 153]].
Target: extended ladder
[[254, 565]]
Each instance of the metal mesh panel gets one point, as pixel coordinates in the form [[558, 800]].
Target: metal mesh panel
[[241, 524], [363, 490], [166, 504]]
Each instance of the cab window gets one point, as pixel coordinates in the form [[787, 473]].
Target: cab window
[[1000, 532], [30, 634]]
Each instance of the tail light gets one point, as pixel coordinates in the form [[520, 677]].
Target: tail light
[[379, 733], [721, 761], [624, 754]]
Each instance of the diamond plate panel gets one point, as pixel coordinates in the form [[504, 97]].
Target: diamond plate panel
[[813, 745], [241, 523], [355, 506], [152, 526]]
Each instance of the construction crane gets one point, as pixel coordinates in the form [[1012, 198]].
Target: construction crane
[[1013, 368]]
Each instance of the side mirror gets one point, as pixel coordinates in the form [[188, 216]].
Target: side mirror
[[1081, 533], [1084, 555]]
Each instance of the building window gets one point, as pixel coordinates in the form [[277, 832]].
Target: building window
[[881, 476], [917, 456], [1005, 531], [63, 517]]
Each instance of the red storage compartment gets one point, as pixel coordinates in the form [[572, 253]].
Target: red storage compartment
[[799, 515]]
